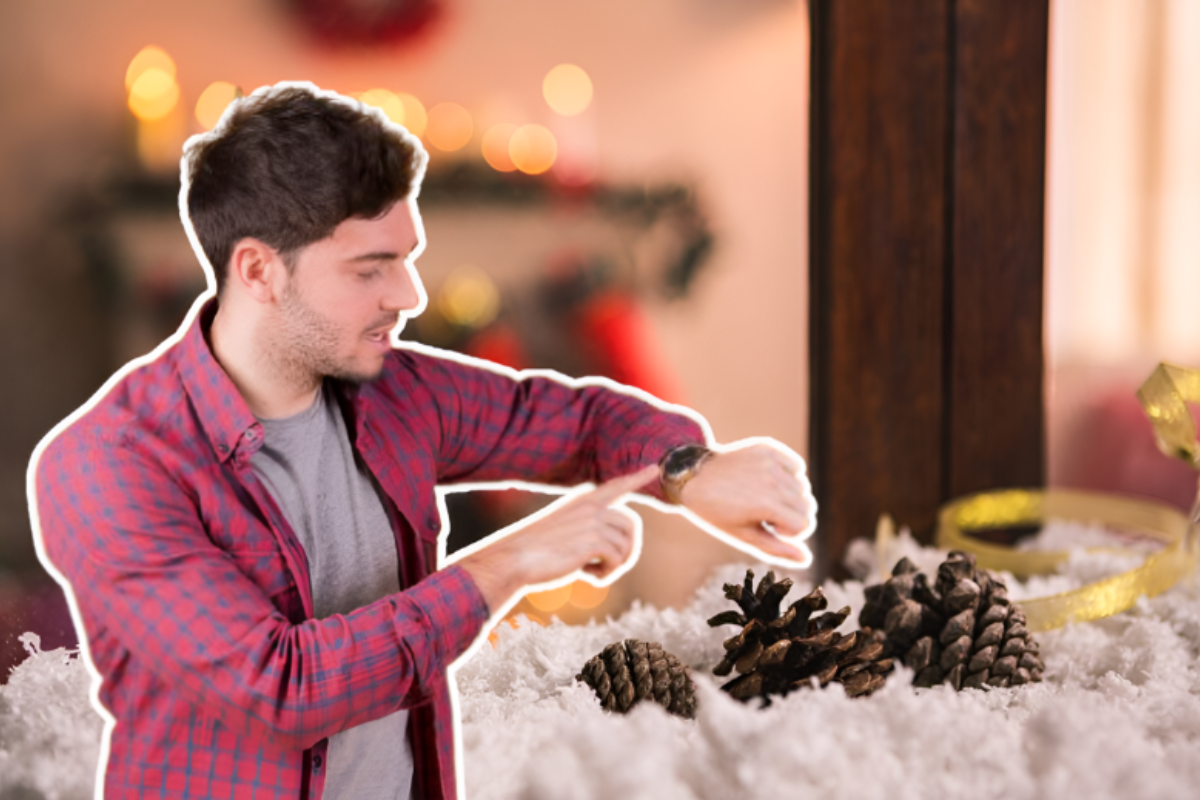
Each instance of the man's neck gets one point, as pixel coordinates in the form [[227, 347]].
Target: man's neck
[[270, 389]]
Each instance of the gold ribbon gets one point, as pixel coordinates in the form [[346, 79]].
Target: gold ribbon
[[1012, 507], [1165, 396]]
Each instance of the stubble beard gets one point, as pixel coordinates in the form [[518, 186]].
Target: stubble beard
[[307, 344]]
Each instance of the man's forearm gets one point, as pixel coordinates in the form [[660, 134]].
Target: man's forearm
[[583, 531], [495, 577], [546, 430]]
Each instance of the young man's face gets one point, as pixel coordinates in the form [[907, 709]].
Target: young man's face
[[347, 292]]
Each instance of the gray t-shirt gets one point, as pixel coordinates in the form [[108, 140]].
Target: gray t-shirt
[[330, 501]]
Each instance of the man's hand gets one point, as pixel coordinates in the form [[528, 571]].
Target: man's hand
[[741, 487], [579, 532]]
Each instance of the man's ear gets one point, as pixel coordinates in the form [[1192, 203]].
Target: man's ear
[[256, 269]]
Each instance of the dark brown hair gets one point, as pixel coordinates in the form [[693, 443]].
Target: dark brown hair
[[287, 168]]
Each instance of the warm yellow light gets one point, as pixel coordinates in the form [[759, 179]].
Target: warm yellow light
[[401, 108], [533, 149], [415, 117], [551, 600], [385, 101], [568, 89], [584, 595], [495, 147], [149, 57], [449, 127], [159, 143], [213, 102], [469, 297], [153, 95]]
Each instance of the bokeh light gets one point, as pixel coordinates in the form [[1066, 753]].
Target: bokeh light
[[149, 57], [551, 600], [568, 89], [495, 147], [532, 149], [449, 127], [153, 95], [469, 297], [159, 141], [415, 117], [584, 595], [213, 101], [385, 101], [400, 107]]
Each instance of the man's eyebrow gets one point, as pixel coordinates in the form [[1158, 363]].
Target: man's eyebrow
[[379, 256]]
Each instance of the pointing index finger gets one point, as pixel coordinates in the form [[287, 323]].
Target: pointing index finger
[[608, 492]]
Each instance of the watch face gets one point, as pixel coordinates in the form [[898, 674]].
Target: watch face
[[683, 459]]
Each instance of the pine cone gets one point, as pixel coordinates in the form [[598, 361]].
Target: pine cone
[[627, 672], [778, 653], [961, 629]]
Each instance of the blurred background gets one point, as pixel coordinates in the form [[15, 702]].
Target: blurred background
[[615, 188]]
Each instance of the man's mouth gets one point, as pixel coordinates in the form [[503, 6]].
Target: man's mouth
[[380, 334]]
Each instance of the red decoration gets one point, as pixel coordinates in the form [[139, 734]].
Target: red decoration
[[499, 344], [366, 22], [620, 343]]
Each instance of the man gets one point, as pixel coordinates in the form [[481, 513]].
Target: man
[[246, 520]]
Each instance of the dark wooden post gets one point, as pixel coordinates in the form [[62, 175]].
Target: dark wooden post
[[927, 178]]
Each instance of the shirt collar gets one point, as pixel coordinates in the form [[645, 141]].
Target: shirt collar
[[223, 413]]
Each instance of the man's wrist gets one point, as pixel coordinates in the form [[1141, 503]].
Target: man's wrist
[[678, 466], [495, 582]]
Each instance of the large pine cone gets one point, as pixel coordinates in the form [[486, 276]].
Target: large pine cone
[[629, 671], [778, 653], [961, 630]]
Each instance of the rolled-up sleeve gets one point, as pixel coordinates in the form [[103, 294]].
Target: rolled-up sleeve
[[531, 426]]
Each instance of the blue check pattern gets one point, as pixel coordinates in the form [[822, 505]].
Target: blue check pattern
[[193, 591]]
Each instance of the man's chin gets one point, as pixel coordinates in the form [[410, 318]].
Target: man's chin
[[358, 375]]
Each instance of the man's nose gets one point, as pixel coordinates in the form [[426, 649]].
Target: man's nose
[[402, 293]]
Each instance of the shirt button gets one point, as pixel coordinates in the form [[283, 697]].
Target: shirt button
[[317, 761]]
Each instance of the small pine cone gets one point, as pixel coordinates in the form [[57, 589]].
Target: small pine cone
[[777, 652], [960, 628], [627, 672]]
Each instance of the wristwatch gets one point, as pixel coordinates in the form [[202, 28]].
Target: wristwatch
[[679, 466]]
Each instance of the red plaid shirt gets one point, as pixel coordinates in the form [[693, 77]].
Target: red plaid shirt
[[193, 591]]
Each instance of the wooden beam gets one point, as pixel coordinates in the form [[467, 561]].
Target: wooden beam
[[927, 143], [994, 400]]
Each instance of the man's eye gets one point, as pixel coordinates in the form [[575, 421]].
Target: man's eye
[[368, 275]]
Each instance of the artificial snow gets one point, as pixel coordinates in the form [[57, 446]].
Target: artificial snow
[[49, 734], [1117, 716]]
